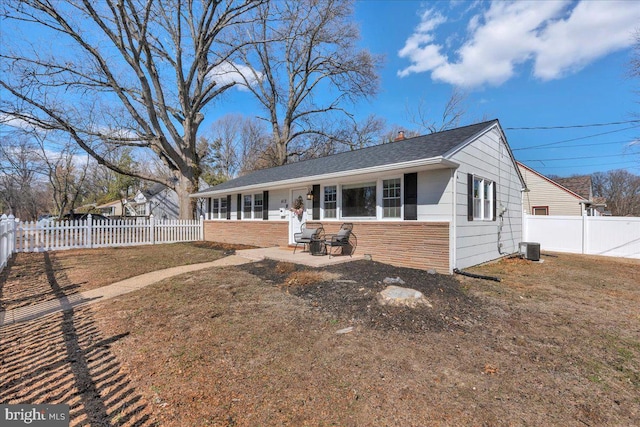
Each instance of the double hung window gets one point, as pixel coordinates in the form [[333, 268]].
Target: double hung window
[[246, 208], [391, 201], [483, 198], [330, 201], [257, 206]]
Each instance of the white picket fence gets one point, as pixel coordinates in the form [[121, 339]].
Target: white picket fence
[[19, 236], [593, 235], [7, 239]]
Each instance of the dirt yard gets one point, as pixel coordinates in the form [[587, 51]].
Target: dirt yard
[[553, 343]]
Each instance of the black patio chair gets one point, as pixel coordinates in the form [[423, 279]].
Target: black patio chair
[[308, 234], [345, 239]]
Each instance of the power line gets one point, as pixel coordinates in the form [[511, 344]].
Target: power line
[[585, 166], [576, 139], [573, 126], [574, 158], [626, 141]]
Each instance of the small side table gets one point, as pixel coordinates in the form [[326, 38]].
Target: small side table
[[317, 247]]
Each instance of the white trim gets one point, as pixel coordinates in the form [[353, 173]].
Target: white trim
[[453, 235], [350, 173]]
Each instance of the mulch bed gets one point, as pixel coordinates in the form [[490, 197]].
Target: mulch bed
[[352, 295]]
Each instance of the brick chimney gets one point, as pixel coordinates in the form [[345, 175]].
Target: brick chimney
[[400, 136]]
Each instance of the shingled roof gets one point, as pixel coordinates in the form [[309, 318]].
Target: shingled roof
[[581, 185], [432, 146]]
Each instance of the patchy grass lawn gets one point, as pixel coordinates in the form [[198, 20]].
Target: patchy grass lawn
[[29, 278], [553, 343]]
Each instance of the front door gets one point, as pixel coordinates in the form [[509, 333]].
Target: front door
[[295, 220]]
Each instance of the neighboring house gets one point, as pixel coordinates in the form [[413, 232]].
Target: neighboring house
[[111, 209], [158, 200], [560, 196], [447, 200]]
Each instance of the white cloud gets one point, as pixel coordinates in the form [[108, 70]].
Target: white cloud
[[226, 73], [559, 37], [16, 122]]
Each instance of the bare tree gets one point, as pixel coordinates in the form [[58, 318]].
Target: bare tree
[[634, 67], [621, 189], [453, 112], [237, 144], [351, 135], [23, 191], [303, 65], [126, 73], [66, 172]]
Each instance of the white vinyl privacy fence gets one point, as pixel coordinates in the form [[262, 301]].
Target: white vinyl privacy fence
[[19, 236], [593, 235]]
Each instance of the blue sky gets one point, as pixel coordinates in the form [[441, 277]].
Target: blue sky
[[529, 64]]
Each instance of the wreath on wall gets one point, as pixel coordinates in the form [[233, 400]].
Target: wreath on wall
[[298, 207]]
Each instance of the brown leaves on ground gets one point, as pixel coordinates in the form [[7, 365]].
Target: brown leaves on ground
[[554, 343]]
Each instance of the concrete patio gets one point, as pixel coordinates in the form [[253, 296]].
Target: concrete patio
[[286, 254]]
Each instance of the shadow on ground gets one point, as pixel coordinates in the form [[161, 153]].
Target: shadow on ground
[[65, 359]]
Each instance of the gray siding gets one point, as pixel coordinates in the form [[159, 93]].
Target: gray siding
[[435, 195], [477, 241]]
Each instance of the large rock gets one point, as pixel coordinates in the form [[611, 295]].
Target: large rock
[[402, 297]]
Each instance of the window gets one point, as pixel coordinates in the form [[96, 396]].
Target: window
[[257, 206], [391, 198], [247, 207], [330, 201], [216, 209], [359, 200], [482, 198], [140, 209], [540, 210], [223, 208]]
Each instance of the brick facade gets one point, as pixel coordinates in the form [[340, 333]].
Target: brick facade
[[422, 245], [262, 234]]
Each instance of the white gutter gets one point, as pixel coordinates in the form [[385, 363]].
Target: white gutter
[[299, 181]]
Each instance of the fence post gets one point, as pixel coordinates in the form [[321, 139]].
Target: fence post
[[87, 238], [13, 225], [201, 236], [585, 233], [4, 241], [152, 228]]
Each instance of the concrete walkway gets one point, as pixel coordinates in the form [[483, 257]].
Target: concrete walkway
[[36, 311]]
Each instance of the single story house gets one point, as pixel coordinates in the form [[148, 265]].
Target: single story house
[[158, 200], [442, 201], [560, 196], [113, 208]]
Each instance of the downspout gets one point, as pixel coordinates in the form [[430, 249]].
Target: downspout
[[453, 228]]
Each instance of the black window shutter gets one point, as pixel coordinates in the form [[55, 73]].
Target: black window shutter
[[316, 202], [210, 206], [239, 207], [229, 206], [469, 197], [495, 198], [265, 205], [411, 196]]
